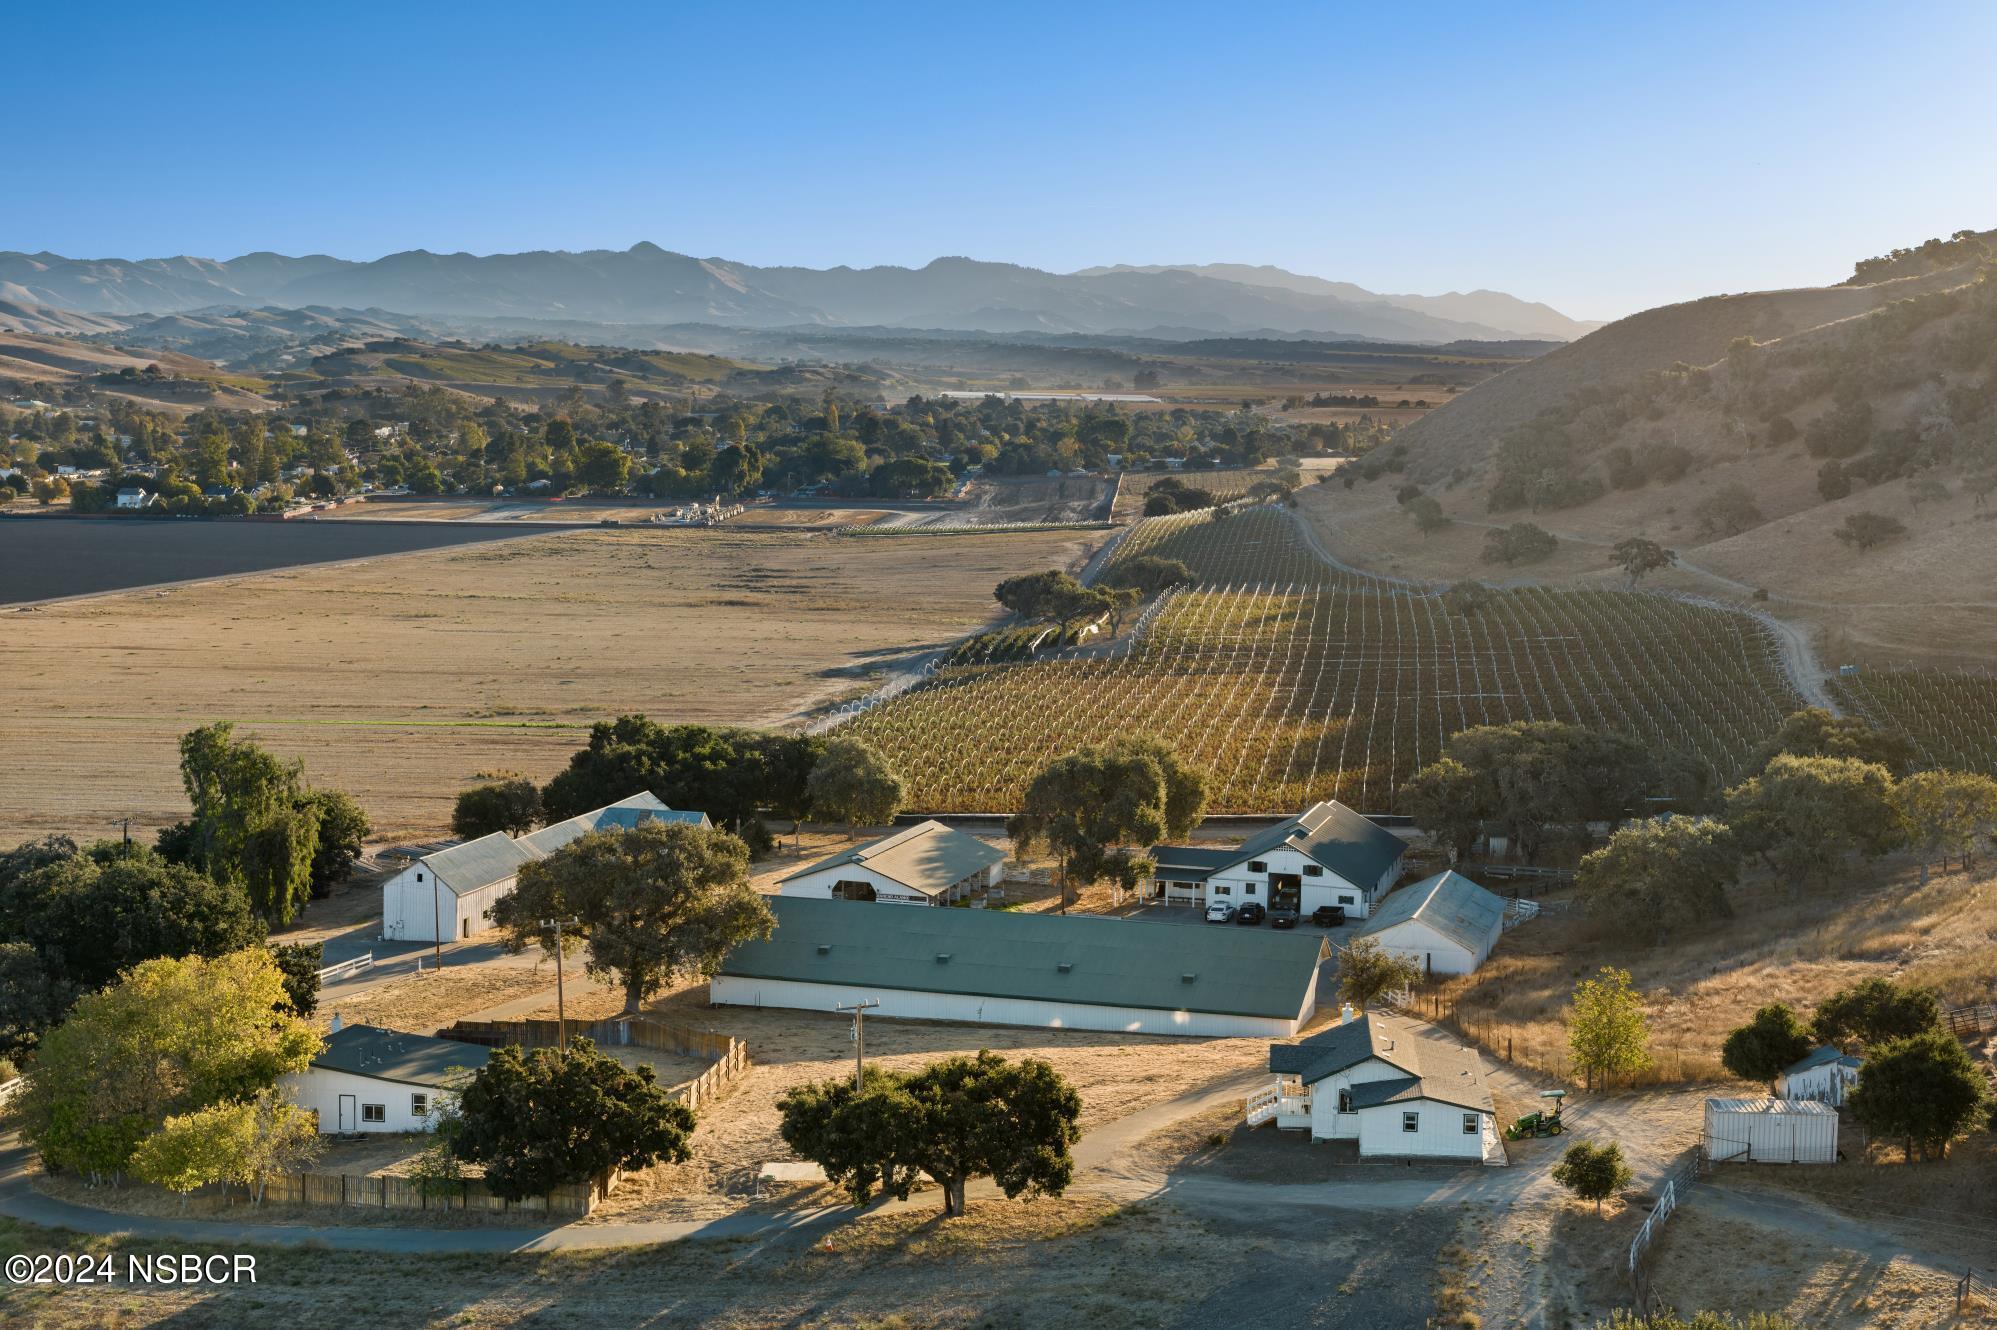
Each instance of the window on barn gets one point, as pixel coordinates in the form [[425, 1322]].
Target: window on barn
[[1348, 900], [419, 876], [1313, 870], [1345, 1101], [419, 1105], [1410, 1122], [1469, 1124], [374, 1112], [1257, 866]]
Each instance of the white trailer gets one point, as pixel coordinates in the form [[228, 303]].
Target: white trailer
[[1771, 1131]]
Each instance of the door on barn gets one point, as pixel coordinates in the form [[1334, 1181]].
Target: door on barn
[[349, 1113], [1286, 891]]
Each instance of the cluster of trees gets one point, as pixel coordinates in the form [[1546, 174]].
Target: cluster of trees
[[1172, 495], [1056, 597], [1099, 808], [1521, 542], [954, 1120], [1917, 1085]]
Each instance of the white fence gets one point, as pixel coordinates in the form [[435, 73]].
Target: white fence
[[333, 974]]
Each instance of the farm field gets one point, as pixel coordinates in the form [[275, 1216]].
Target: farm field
[[1951, 716], [1289, 681], [399, 680]]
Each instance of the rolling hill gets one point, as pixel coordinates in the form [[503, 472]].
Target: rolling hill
[[647, 284]]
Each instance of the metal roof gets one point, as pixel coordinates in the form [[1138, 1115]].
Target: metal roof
[[394, 1055], [478, 863], [1820, 1055], [625, 813], [1449, 903], [927, 857], [1772, 1107], [1186, 863], [1348, 843], [1086, 959], [1431, 1069]]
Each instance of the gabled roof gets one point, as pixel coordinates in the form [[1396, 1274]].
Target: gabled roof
[[1430, 1069], [1347, 843], [1056, 958], [393, 1055], [478, 863], [927, 857], [1185, 863], [1449, 903], [1819, 1056], [625, 813]]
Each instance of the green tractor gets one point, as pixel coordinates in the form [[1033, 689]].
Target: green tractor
[[1539, 1124]]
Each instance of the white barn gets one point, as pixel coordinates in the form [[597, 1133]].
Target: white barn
[[926, 864], [367, 1079], [1825, 1075], [450, 894], [1771, 1131], [1326, 855], [1001, 967], [1446, 924], [1377, 1081]]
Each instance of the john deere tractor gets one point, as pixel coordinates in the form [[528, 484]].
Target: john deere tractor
[[1539, 1124]]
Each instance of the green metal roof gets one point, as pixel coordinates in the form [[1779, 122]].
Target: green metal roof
[[395, 1055], [1040, 957]]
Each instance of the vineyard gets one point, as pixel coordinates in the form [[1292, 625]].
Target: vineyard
[[1289, 681], [1951, 716]]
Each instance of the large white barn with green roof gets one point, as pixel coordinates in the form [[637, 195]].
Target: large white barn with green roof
[[1003, 967]]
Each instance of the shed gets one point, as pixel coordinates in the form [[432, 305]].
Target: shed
[[1825, 1074], [1447, 924], [1771, 1131], [926, 864], [367, 1078], [1000, 967]]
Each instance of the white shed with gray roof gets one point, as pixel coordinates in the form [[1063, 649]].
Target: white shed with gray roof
[[1446, 924], [926, 864]]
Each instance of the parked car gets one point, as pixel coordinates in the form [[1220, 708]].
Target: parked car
[[1251, 914], [1220, 912], [1329, 916], [1282, 918]]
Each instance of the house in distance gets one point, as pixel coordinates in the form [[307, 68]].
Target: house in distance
[[926, 864], [1325, 855]]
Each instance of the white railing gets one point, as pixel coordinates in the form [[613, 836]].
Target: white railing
[[8, 1089], [332, 974], [1518, 911], [1667, 1201]]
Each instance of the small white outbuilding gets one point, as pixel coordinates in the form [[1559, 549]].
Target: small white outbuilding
[[1446, 924], [1771, 1131], [1825, 1075]]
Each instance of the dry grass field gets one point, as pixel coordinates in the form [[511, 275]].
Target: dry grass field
[[401, 679], [1794, 946]]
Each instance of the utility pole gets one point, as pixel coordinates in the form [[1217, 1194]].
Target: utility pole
[[561, 998], [859, 1010], [436, 922]]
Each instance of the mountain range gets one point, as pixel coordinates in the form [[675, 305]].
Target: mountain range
[[647, 284]]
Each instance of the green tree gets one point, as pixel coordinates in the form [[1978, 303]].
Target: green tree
[[656, 901], [1593, 1172], [1368, 972], [957, 1119], [1875, 1011], [1946, 812], [1759, 1051], [194, 1150], [1923, 1089], [1427, 514], [253, 826], [736, 469], [342, 830], [552, 1117], [32, 998], [1608, 1033], [507, 802], [1149, 573], [1637, 557], [1443, 800], [1657, 875], [605, 468], [300, 963], [170, 1037], [1805, 816], [1865, 531], [1521, 542], [1815, 732], [1467, 598], [1093, 805], [854, 784]]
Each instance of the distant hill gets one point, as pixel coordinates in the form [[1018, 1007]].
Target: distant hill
[[647, 284], [1488, 309]]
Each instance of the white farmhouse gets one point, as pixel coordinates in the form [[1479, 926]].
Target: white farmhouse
[[1004, 967], [1825, 1075], [1326, 855], [1374, 1080], [926, 864], [135, 498], [1446, 924], [366, 1078], [450, 894]]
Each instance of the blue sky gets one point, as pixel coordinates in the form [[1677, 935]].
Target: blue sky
[[1603, 158]]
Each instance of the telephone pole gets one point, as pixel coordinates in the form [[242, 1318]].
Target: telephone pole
[[561, 997], [859, 1010]]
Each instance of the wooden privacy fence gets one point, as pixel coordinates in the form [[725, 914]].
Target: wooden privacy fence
[[728, 1056], [396, 1193]]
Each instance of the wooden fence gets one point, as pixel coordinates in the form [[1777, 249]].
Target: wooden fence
[[1961, 1021], [728, 1056], [396, 1193]]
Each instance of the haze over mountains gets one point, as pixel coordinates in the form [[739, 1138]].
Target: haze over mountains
[[647, 284]]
